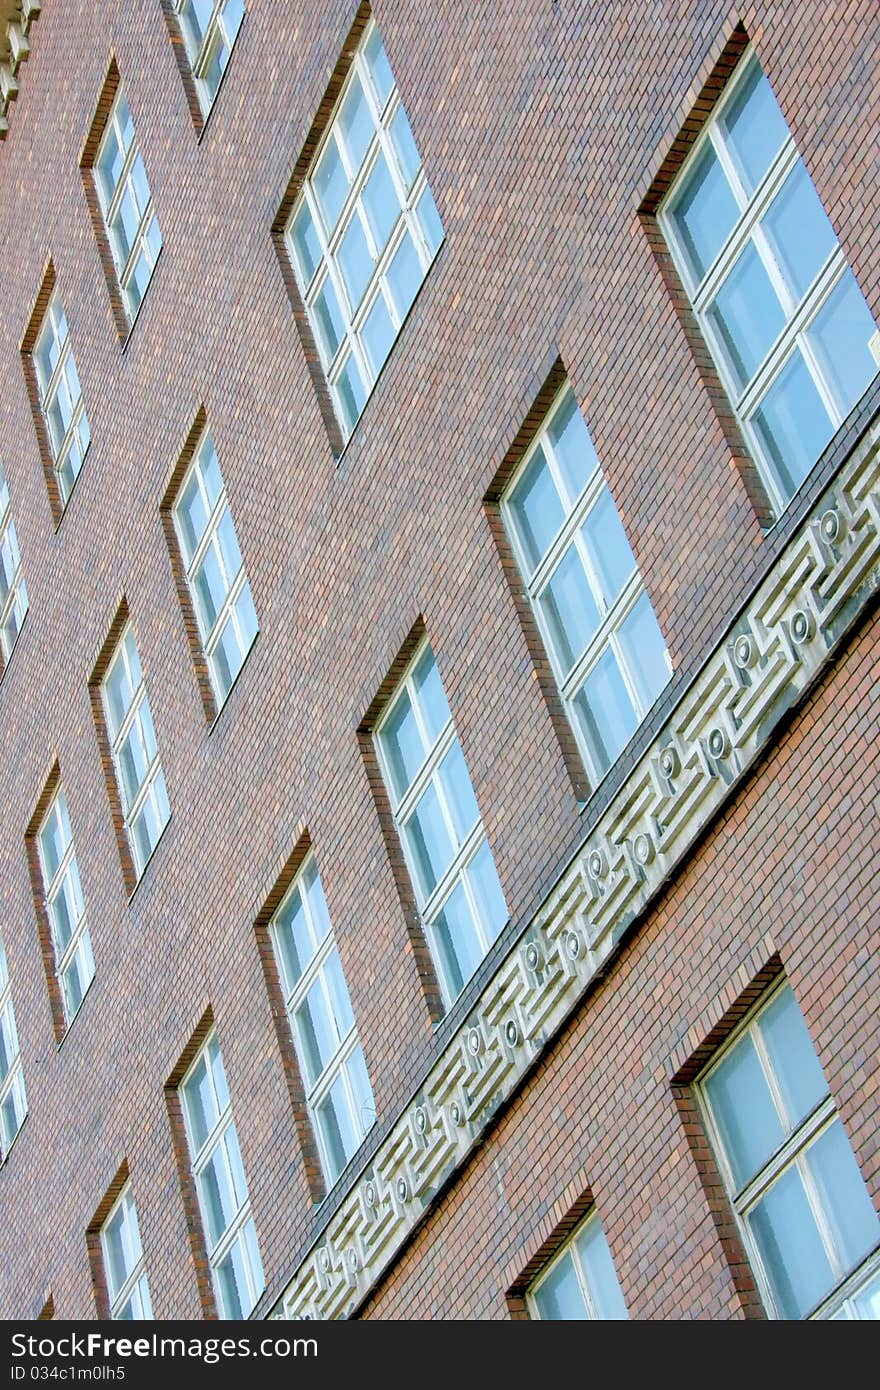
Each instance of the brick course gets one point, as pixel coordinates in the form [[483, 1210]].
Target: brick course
[[543, 129]]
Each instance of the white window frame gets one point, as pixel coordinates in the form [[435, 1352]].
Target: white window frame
[[14, 1078], [200, 58], [138, 1270], [800, 314], [327, 266], [154, 770], [536, 579], [743, 1200], [293, 1000], [569, 1250], [199, 1158], [403, 807], [53, 887], [140, 242], [211, 637], [50, 328], [15, 601]]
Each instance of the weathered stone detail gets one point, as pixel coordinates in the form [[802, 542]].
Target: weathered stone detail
[[822, 580], [16, 17]]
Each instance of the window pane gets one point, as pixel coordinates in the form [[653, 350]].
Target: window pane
[[756, 126], [380, 70], [379, 333], [53, 841], [351, 392], [402, 744], [867, 1301], [317, 903], [794, 424], [748, 315], [431, 695], [247, 616], [791, 1247], [337, 1100], [405, 275], [744, 1112], [558, 1297], [608, 547], [306, 246], [317, 1030], [218, 1201], [569, 609], [605, 711], [334, 1146], [840, 335], [355, 261], [457, 942], [232, 1285], [192, 514], [293, 939], [799, 231], [845, 1202], [338, 991], [356, 123], [705, 212], [601, 1276], [537, 509], [381, 202], [200, 1105], [482, 876], [115, 1259], [428, 840], [460, 799], [330, 184], [429, 220], [572, 446], [210, 587], [795, 1064], [405, 147], [331, 323], [644, 652], [365, 1106]]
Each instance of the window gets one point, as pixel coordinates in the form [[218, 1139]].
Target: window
[[338, 1091], [13, 594], [74, 963], [214, 569], [436, 815], [233, 1254], [804, 1212], [581, 1283], [13, 1102], [124, 1262], [596, 620], [779, 306], [363, 231], [61, 398], [135, 754], [127, 206], [209, 28]]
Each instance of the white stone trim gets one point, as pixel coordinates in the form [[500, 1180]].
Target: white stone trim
[[823, 578], [16, 17]]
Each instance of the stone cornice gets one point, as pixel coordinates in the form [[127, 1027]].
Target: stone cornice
[[16, 18], [819, 584]]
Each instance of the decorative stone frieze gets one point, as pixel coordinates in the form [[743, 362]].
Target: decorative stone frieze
[[819, 584]]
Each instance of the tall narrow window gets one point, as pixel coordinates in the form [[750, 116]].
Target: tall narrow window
[[215, 573], [436, 815], [581, 1282], [786, 322], [13, 1102], [71, 942], [233, 1253], [363, 231], [61, 398], [806, 1219], [596, 620], [13, 594], [124, 1262], [338, 1090], [209, 28], [135, 754], [127, 205]]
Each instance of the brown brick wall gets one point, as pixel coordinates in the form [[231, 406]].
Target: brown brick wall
[[542, 127]]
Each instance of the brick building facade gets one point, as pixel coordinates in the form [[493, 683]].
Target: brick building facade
[[725, 850]]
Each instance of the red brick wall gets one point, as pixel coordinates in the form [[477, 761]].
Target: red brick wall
[[541, 127]]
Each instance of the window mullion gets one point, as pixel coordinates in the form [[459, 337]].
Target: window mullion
[[418, 785], [459, 862], [610, 622]]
